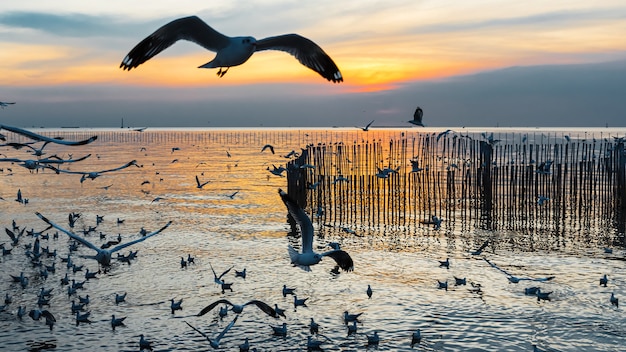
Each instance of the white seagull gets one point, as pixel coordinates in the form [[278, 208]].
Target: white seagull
[[231, 51], [38, 137], [238, 308], [94, 174], [103, 256], [215, 343], [308, 257]]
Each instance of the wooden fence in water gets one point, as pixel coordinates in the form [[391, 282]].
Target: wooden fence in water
[[465, 179], [537, 184]]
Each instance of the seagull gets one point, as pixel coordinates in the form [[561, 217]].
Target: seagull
[[367, 128], [116, 321], [268, 146], [239, 308], [39, 137], [200, 185], [480, 250], [120, 298], [299, 302], [174, 306], [614, 300], [82, 318], [232, 196], [241, 274], [278, 171], [231, 51], [36, 314], [352, 328], [218, 279], [604, 281], [313, 345], [458, 281], [443, 284], [415, 166], [314, 327], [279, 311], [434, 220], [347, 318], [287, 291], [215, 343], [308, 257], [531, 291], [93, 174], [4, 104], [21, 311], [103, 256], [445, 263], [280, 330], [144, 344], [416, 337], [369, 291], [373, 339], [515, 279], [542, 295], [245, 346], [417, 117]]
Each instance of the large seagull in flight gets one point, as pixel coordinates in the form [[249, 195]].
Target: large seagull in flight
[[308, 257], [231, 51]]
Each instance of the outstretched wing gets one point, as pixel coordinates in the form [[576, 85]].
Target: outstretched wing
[[302, 219], [130, 163], [230, 325], [187, 28], [200, 332], [124, 245], [342, 258], [213, 305], [11, 234], [224, 273], [39, 137], [72, 235], [264, 307], [306, 51]]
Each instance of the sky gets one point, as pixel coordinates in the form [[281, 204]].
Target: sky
[[465, 63]]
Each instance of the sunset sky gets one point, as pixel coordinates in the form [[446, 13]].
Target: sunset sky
[[466, 63]]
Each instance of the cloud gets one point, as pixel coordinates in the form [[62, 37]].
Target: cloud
[[536, 21], [76, 25]]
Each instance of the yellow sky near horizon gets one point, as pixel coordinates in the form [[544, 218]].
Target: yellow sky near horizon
[[388, 50]]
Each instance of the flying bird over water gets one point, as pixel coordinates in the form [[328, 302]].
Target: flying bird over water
[[238, 308], [367, 128], [38, 137], [94, 174], [215, 343], [308, 257], [231, 51], [103, 256], [218, 279], [268, 146], [417, 117], [5, 104], [200, 184]]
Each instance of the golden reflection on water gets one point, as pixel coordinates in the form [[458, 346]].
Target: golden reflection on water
[[249, 230]]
